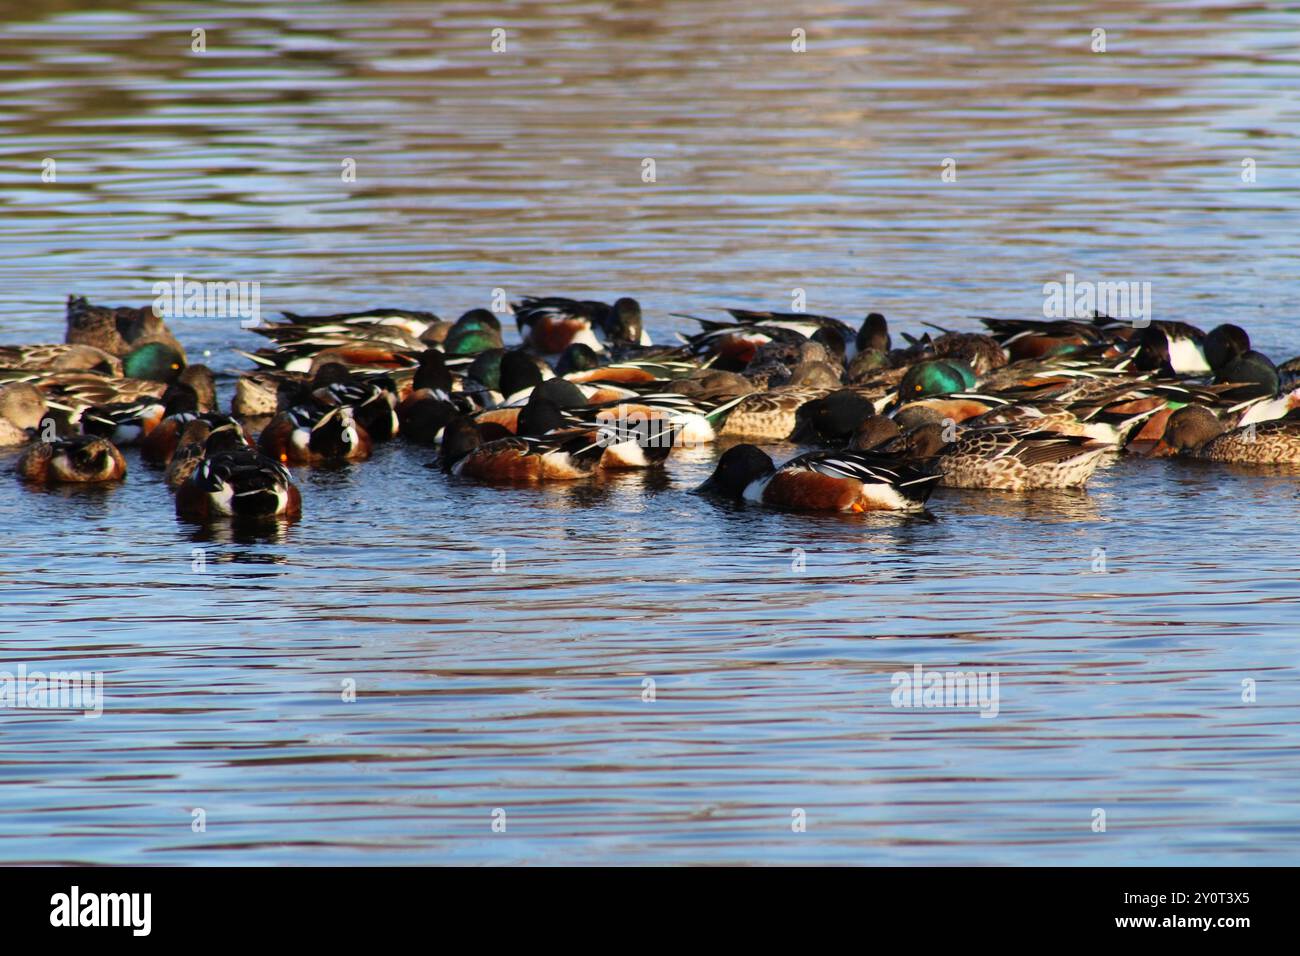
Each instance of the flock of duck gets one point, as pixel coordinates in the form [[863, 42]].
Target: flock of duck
[[1026, 404]]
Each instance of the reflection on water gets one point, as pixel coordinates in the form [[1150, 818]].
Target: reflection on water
[[499, 641]]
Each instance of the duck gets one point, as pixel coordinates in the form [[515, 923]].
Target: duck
[[428, 407], [116, 330], [76, 459], [1253, 373], [304, 435], [731, 346], [1004, 457], [1174, 349], [414, 322], [193, 444], [22, 407], [832, 419], [471, 451], [837, 481], [124, 423], [476, 331], [160, 445], [73, 357], [771, 414], [552, 324], [237, 482], [372, 400], [1194, 431], [1043, 339], [935, 377]]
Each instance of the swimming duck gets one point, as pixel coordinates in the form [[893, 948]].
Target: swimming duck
[[372, 400], [304, 435], [551, 324], [77, 459], [124, 423], [1195, 432], [1005, 457], [559, 456], [237, 482], [845, 481], [194, 443]]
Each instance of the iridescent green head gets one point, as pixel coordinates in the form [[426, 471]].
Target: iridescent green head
[[155, 361], [471, 340], [940, 377]]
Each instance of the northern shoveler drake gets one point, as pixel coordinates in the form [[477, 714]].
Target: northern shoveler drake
[[734, 345], [553, 323], [1223, 343], [206, 434], [559, 456], [306, 436], [124, 423], [77, 459], [1005, 457], [846, 481], [478, 330], [238, 483], [1253, 374], [935, 377], [427, 408], [116, 330], [22, 407], [1041, 339], [373, 400], [1171, 348], [1195, 432], [835, 333], [134, 406]]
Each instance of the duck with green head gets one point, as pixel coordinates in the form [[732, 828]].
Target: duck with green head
[[154, 361]]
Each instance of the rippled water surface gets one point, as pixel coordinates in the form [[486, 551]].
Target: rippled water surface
[[1121, 622]]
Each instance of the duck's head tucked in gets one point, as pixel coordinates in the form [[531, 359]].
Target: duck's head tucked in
[[80, 459]]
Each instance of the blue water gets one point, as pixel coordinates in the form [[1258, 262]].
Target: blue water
[[1121, 622]]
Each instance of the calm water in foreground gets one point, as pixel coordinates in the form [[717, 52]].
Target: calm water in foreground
[[1121, 622]]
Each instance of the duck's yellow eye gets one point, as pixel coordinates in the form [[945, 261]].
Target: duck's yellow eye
[[918, 388], [174, 365]]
